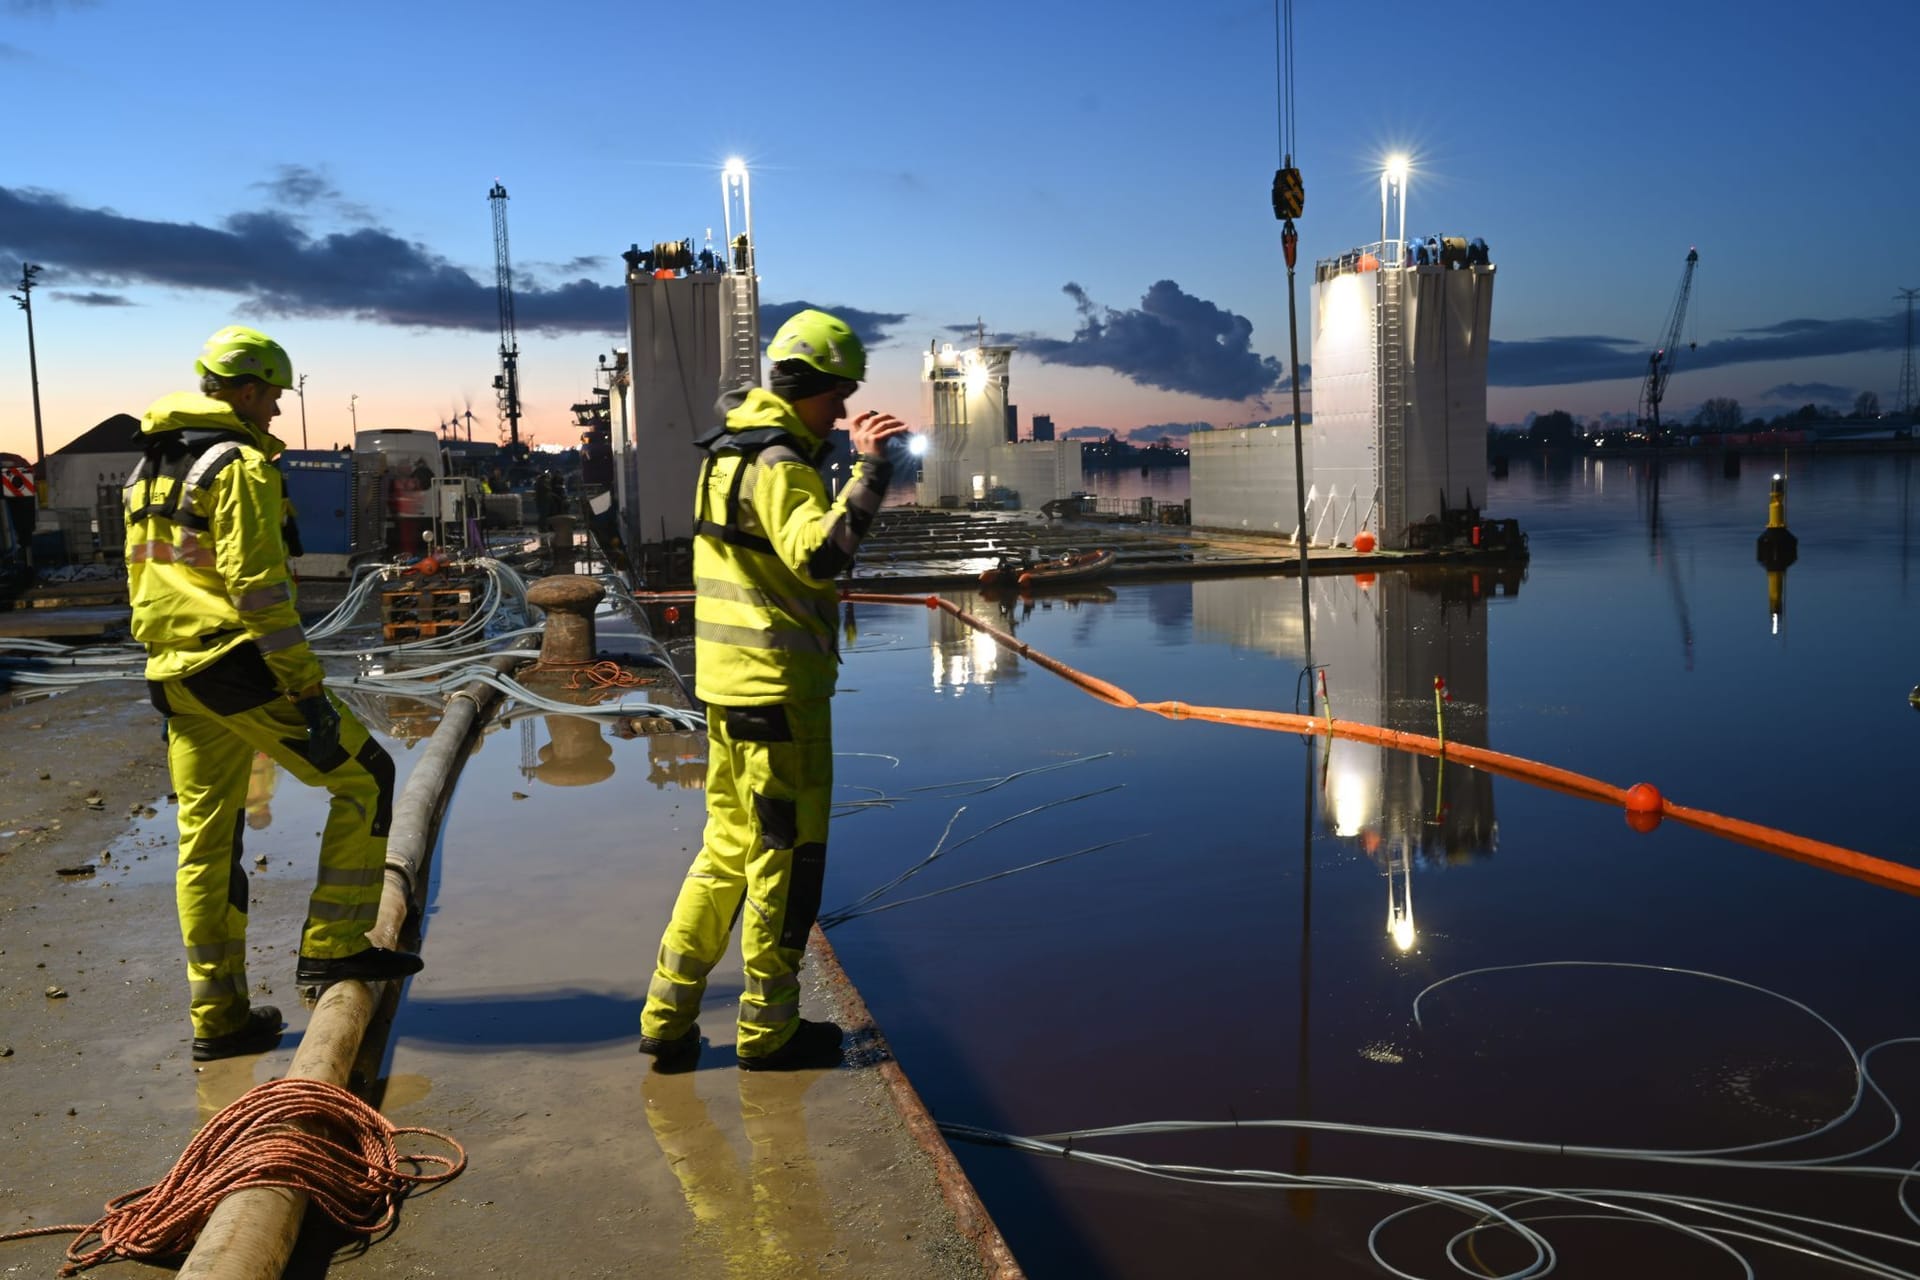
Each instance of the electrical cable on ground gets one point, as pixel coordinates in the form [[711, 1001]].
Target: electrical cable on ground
[[268, 1137]]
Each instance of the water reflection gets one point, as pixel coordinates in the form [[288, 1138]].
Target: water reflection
[[1380, 646], [577, 753], [963, 656], [675, 757], [262, 777], [765, 1215]]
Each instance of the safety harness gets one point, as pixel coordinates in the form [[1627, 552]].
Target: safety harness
[[750, 445], [191, 459]]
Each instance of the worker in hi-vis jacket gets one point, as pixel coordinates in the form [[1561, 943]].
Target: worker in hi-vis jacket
[[768, 545], [229, 667]]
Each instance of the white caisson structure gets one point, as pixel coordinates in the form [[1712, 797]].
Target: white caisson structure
[[1398, 435]]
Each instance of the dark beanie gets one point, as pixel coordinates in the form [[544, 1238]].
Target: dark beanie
[[793, 380]]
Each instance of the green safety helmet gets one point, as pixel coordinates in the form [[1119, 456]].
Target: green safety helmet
[[237, 351], [822, 341]]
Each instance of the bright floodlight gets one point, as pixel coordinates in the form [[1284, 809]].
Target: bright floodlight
[[916, 445], [736, 167]]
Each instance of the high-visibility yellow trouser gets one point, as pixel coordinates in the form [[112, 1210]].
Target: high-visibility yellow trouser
[[764, 857], [210, 754]]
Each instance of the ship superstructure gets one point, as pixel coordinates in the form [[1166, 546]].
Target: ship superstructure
[[972, 456]]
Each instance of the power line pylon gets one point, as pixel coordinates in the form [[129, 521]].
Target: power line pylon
[[1909, 393], [507, 382]]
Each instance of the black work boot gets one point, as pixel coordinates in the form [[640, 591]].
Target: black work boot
[[259, 1033], [815, 1045], [678, 1054], [375, 964]]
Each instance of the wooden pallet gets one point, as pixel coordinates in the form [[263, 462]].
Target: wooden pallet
[[417, 630]]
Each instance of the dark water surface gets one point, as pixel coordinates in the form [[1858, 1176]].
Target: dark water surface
[[1252, 947]]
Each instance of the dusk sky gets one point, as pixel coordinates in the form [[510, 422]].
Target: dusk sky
[[1089, 182]]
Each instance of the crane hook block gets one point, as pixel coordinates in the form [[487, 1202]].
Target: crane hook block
[[1289, 196]]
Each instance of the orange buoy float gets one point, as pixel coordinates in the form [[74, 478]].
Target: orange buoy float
[[1364, 541], [1645, 806], [673, 613]]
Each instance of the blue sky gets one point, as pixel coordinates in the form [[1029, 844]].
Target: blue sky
[[1090, 182]]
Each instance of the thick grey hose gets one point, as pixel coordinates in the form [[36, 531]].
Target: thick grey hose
[[251, 1232]]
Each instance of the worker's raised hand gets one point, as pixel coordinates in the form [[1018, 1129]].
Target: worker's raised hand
[[871, 431]]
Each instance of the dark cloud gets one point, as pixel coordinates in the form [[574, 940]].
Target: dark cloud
[[298, 186], [367, 272], [93, 299], [1163, 430], [869, 326], [1086, 433], [1798, 393], [1173, 341], [1551, 361]]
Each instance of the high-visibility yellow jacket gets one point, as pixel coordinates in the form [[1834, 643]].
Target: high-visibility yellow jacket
[[768, 546], [206, 558]]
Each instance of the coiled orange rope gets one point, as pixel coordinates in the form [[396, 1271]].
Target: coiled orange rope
[[305, 1135], [1831, 857]]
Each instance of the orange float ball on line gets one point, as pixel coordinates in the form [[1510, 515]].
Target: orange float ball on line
[[1364, 541], [673, 613], [1644, 806]]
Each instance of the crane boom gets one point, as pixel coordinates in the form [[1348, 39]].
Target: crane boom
[[507, 383], [1660, 364]]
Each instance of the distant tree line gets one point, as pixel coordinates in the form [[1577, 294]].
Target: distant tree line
[[1115, 454], [1719, 415]]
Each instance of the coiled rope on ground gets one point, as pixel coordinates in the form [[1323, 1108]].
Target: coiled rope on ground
[[305, 1135]]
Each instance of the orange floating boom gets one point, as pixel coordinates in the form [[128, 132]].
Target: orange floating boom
[[1818, 853]]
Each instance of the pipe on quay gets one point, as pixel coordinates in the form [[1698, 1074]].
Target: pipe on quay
[[251, 1232]]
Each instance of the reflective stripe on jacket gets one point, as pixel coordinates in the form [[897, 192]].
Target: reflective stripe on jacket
[[206, 558], [768, 546]]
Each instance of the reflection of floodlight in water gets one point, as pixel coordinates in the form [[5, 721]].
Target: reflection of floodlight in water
[[1400, 896]]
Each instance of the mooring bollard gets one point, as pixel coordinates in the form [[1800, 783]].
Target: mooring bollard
[[568, 600]]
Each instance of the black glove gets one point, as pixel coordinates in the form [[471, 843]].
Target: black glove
[[323, 727]]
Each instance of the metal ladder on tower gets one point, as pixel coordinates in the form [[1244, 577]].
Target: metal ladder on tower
[[1390, 352], [740, 356]]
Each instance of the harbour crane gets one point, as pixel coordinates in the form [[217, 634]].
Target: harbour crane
[[1660, 364], [507, 382]]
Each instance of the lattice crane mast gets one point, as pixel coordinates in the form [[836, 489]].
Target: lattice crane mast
[[506, 383], [1660, 364]]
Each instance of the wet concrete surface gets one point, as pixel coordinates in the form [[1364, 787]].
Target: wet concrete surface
[[518, 1040]]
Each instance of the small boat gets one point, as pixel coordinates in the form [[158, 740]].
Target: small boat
[[1080, 566]]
